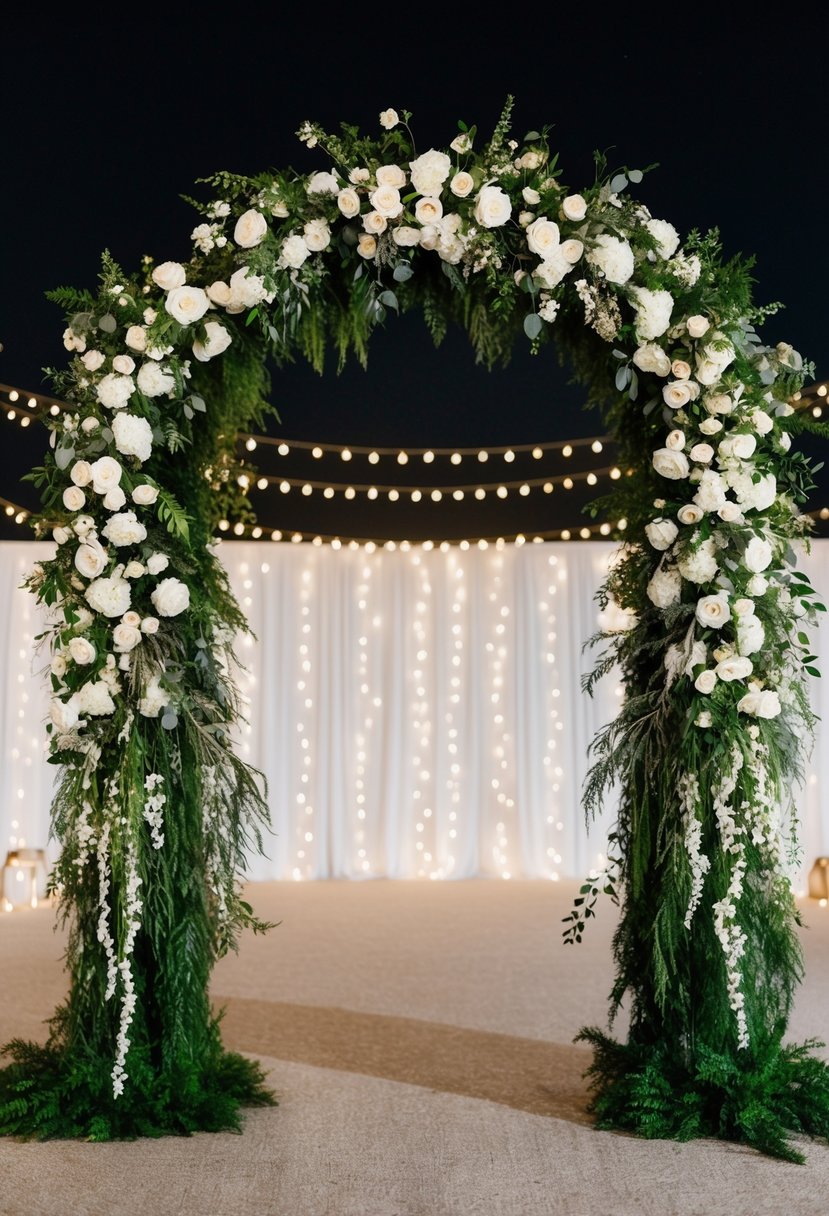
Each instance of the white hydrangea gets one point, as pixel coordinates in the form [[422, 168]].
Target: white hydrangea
[[124, 529], [653, 312], [613, 257], [95, 699], [133, 435], [114, 391], [109, 596], [665, 588], [154, 381]]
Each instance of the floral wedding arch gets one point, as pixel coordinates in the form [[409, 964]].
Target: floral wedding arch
[[155, 813]]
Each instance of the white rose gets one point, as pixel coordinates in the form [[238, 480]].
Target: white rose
[[124, 365], [294, 251], [743, 446], [492, 207], [761, 422], [83, 525], [613, 257], [154, 699], [317, 235], [169, 275], [760, 703], [125, 637], [661, 533], [428, 210], [109, 596], [729, 513], [574, 208], [406, 237], [124, 529], [743, 607], [144, 495], [690, 514], [149, 624], [462, 184], [155, 382], [171, 597], [89, 425], [131, 618], [114, 391], [429, 171], [358, 176], [133, 436], [785, 441], [390, 175], [676, 394], [572, 250], [665, 588], [461, 143], [705, 681], [219, 293], [60, 535], [134, 570], [250, 229], [652, 358], [671, 464], [323, 183], [758, 555], [681, 369], [216, 340], [388, 119], [366, 245], [665, 235], [552, 270], [157, 562], [675, 440], [64, 714], [90, 558], [653, 312], [710, 494], [92, 360], [73, 498], [697, 326], [710, 426], [348, 201], [374, 223], [738, 668], [81, 473], [58, 665], [530, 196], [187, 304], [82, 651], [95, 699], [712, 360], [542, 237], [702, 453], [713, 611], [247, 289]]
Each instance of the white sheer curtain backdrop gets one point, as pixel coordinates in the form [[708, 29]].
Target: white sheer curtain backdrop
[[417, 714]]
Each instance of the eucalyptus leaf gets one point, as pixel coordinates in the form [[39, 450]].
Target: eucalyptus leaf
[[533, 325], [379, 313], [106, 434], [622, 378], [618, 183], [532, 135], [188, 411], [169, 719], [64, 457], [402, 272], [635, 175], [358, 274], [107, 323], [389, 299]]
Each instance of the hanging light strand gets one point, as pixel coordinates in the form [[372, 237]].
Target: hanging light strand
[[370, 543], [456, 492]]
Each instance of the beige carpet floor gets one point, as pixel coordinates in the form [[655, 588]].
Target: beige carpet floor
[[419, 1039]]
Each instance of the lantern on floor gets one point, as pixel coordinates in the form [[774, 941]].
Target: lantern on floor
[[25, 874], [819, 879]]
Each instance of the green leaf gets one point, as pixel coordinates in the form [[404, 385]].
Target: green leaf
[[462, 125], [533, 325], [389, 299], [813, 671], [107, 323], [198, 403], [532, 135], [635, 175], [252, 315], [803, 639]]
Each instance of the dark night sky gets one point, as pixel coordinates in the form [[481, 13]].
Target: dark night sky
[[109, 120]]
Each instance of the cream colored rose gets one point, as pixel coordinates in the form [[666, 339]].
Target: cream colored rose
[[542, 237], [758, 555], [169, 275], [676, 394], [718, 403], [366, 245], [552, 270], [386, 201], [406, 237], [735, 668], [73, 498], [702, 453], [744, 446], [114, 499], [531, 197], [60, 535], [123, 364], [462, 184], [251, 229], [675, 440], [171, 597], [388, 119], [90, 559], [712, 611], [390, 175], [358, 176], [136, 338], [144, 495], [661, 533], [125, 637], [92, 360], [149, 624], [134, 569], [760, 704], [186, 304], [157, 562], [82, 651], [348, 201], [652, 358], [681, 369], [572, 250], [89, 425], [690, 514], [219, 293], [428, 210], [710, 426], [317, 235], [673, 465], [375, 223], [106, 473], [64, 714], [216, 340], [730, 513], [761, 422], [697, 326], [574, 208], [492, 207], [429, 171], [706, 681], [81, 473]]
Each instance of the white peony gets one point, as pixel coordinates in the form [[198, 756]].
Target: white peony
[[690, 513], [157, 562], [665, 588], [388, 119], [109, 596], [294, 252], [552, 270], [250, 229], [713, 611], [154, 699], [169, 275], [665, 235], [153, 381], [736, 668], [613, 257], [429, 171], [247, 290], [323, 183], [652, 358], [81, 473], [125, 637], [405, 236], [64, 714], [743, 446], [758, 555], [462, 184], [390, 175], [348, 202], [114, 391], [574, 208], [661, 533], [95, 699], [706, 681], [699, 565], [124, 529], [492, 207], [702, 453], [216, 340], [712, 360], [653, 312], [710, 494], [144, 495], [542, 237], [82, 651], [671, 464], [187, 304], [171, 597], [133, 436], [90, 558], [697, 326], [760, 703], [751, 636], [73, 498]]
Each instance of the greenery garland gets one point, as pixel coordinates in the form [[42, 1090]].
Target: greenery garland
[[154, 812]]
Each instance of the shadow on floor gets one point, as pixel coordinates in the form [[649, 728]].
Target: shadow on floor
[[525, 1074]]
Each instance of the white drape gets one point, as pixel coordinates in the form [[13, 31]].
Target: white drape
[[416, 714]]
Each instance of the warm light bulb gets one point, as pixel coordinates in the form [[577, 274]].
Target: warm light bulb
[[239, 529], [615, 474], [345, 454], [350, 492], [567, 450], [285, 487], [585, 534], [456, 458], [436, 495], [402, 458], [283, 449], [373, 458], [568, 483], [428, 457], [328, 492], [13, 395], [276, 535], [509, 457], [483, 456], [54, 410], [262, 483], [223, 525], [592, 479], [307, 489], [524, 490], [480, 492], [250, 444], [372, 492], [548, 487], [565, 535], [502, 491], [596, 445], [393, 495], [416, 495], [256, 533], [457, 495]]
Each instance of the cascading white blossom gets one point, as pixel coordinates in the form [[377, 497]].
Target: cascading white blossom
[[689, 795], [154, 808], [726, 924]]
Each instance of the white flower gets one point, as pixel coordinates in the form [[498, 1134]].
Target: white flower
[[124, 529], [131, 618], [64, 714], [665, 588], [216, 340], [712, 360], [144, 495], [549, 310], [757, 495], [323, 183], [743, 607], [81, 473], [462, 184], [785, 441], [154, 699], [461, 143], [572, 250], [82, 651], [89, 425], [671, 464], [149, 624], [653, 312], [613, 257], [492, 207], [661, 533], [157, 562], [73, 498], [681, 369], [90, 558], [710, 426], [697, 326], [406, 237], [675, 440], [125, 637], [737, 668], [73, 341], [169, 275], [713, 611], [250, 229], [730, 513], [705, 681], [348, 201], [246, 289], [665, 235], [428, 210], [186, 304], [294, 251], [652, 358], [718, 403], [60, 535], [389, 119], [114, 391], [390, 175], [574, 208], [358, 176], [743, 446], [134, 569], [92, 360], [542, 237], [690, 514], [676, 394], [83, 525], [710, 494], [552, 270], [759, 703], [124, 365], [751, 636], [703, 719], [375, 223], [219, 293], [95, 699], [155, 382], [429, 171], [699, 565], [133, 436], [761, 422], [366, 245], [171, 597], [758, 555], [702, 453], [530, 196], [109, 596], [386, 201]]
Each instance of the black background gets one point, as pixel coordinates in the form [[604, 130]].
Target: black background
[[110, 118]]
